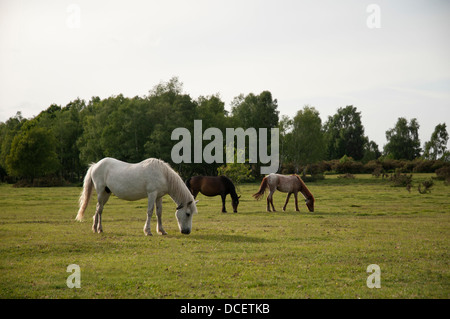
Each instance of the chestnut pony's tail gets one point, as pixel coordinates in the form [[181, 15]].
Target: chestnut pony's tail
[[262, 189]]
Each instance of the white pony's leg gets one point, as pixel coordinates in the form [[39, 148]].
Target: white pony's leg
[[287, 200], [271, 182], [159, 229], [270, 201], [102, 198], [98, 213], [95, 220], [151, 204]]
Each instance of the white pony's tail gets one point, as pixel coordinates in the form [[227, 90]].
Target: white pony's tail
[[86, 193]]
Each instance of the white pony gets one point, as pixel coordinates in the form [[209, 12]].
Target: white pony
[[151, 178]]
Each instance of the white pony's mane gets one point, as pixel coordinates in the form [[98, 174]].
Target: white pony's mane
[[176, 187]]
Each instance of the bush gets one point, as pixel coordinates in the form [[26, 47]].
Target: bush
[[423, 166], [443, 173], [408, 166], [312, 178], [347, 176], [427, 185], [315, 170], [237, 172], [401, 180], [374, 167], [390, 165], [377, 168], [327, 166], [287, 168], [47, 181], [377, 171], [348, 165]]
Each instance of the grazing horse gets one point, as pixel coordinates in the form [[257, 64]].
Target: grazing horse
[[151, 178], [213, 186], [287, 184]]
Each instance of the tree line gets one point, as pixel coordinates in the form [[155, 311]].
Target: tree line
[[60, 142]]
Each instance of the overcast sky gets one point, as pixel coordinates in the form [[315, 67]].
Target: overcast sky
[[324, 53]]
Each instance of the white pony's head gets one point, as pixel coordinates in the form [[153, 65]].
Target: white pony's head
[[184, 215]]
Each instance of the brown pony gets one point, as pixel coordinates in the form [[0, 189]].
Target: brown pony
[[287, 184], [213, 186]]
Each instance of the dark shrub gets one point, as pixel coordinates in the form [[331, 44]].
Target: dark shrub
[[347, 176], [390, 165], [401, 180], [425, 186], [349, 165], [46, 181], [287, 168], [423, 166], [373, 167], [327, 166], [443, 173]]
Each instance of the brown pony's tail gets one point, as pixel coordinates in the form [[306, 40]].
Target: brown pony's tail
[[188, 184], [262, 189]]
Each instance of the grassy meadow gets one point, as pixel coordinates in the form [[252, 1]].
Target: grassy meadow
[[251, 254]]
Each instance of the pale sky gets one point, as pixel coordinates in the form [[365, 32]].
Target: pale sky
[[320, 53]]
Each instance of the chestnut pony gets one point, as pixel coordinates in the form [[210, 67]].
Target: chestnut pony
[[213, 186], [287, 184]]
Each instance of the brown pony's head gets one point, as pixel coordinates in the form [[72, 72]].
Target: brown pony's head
[[235, 203]]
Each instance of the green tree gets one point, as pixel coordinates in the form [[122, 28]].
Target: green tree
[[258, 111], [65, 125], [285, 127], [92, 118], [126, 130], [255, 111], [211, 110], [436, 147], [8, 131], [117, 127], [32, 153], [168, 109], [371, 151], [345, 134], [403, 140], [68, 129], [306, 143]]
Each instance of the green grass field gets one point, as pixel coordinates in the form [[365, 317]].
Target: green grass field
[[251, 254]]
